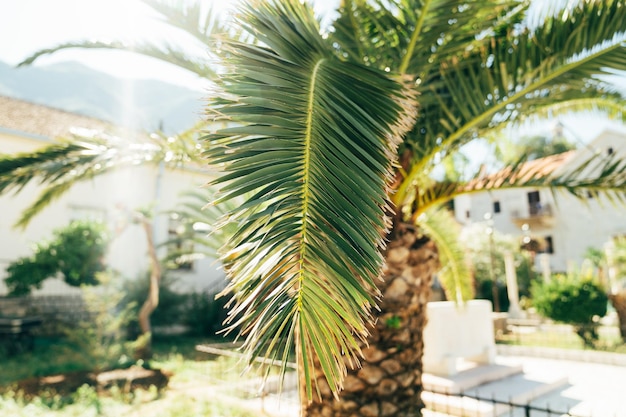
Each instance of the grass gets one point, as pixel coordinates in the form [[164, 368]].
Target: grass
[[562, 337], [196, 387], [49, 357], [86, 402]]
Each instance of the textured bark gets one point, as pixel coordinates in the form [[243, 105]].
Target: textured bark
[[152, 300], [619, 303], [389, 382]]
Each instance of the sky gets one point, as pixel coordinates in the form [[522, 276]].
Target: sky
[[35, 24], [31, 25]]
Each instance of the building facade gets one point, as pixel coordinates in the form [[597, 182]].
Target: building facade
[[25, 127], [555, 224]]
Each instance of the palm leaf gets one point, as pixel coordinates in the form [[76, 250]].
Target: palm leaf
[[190, 17], [316, 159], [166, 53], [516, 72], [60, 166], [455, 275], [202, 224], [408, 36], [611, 106], [593, 175]]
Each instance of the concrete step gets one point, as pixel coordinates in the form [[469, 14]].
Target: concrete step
[[472, 376], [517, 389]]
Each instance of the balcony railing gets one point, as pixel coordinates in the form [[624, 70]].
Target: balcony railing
[[534, 210]]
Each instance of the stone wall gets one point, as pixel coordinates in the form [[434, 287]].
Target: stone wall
[[57, 311]]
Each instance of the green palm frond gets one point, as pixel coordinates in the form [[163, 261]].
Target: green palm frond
[[166, 53], [612, 106], [455, 274], [58, 167], [515, 73], [316, 158], [409, 36], [203, 223], [192, 18], [189, 16], [593, 175]]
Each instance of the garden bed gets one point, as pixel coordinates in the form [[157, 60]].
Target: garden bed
[[67, 383]]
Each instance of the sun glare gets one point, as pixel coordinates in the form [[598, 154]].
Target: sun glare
[[131, 21]]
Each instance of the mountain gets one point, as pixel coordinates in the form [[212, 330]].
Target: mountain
[[141, 104]]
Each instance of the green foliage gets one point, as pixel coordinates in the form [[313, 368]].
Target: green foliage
[[455, 274], [394, 322], [75, 251], [201, 312], [171, 303], [618, 260], [205, 314], [312, 138], [101, 340], [484, 291], [533, 147], [177, 356], [480, 248], [28, 273], [573, 300]]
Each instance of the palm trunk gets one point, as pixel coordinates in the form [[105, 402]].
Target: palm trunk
[[389, 383], [618, 300]]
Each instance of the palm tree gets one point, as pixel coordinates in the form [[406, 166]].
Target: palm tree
[[317, 118], [336, 160]]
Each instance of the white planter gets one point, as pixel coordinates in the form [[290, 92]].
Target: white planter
[[458, 332]]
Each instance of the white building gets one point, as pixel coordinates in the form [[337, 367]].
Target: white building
[[26, 127], [563, 226]]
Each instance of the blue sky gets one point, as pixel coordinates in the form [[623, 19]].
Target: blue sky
[[35, 24]]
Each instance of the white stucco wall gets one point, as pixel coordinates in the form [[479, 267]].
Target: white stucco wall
[[575, 225], [101, 197]]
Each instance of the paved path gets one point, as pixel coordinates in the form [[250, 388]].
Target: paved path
[[594, 390]]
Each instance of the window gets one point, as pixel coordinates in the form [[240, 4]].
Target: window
[[609, 151], [534, 203], [467, 214], [496, 207], [549, 248]]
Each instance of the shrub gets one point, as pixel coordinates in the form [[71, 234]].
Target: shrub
[[75, 251], [480, 249], [101, 340], [171, 303], [204, 314], [572, 300], [199, 311]]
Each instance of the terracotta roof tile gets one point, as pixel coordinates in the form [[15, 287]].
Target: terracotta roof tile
[[538, 168], [37, 119]]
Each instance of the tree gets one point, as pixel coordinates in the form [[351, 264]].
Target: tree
[[317, 122], [481, 247], [325, 138], [534, 147], [615, 258], [76, 252]]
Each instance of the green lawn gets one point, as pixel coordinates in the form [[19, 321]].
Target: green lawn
[[563, 338], [198, 386]]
